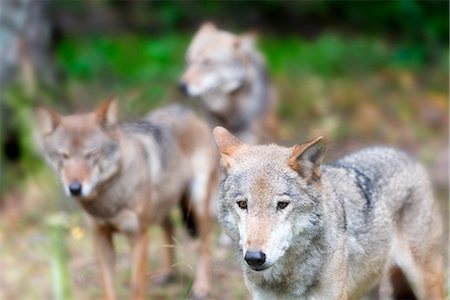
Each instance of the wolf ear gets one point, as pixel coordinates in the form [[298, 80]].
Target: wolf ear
[[208, 27], [246, 41], [46, 120], [227, 144], [306, 158], [107, 112]]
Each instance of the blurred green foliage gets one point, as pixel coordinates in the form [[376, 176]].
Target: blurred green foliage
[[124, 63], [414, 20], [416, 24], [158, 62], [128, 59]]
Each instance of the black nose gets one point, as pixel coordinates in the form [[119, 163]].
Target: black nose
[[182, 87], [255, 258], [75, 188]]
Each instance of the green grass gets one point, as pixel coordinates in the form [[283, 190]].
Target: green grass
[[120, 64], [133, 59]]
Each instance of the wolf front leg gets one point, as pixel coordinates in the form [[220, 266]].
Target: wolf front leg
[[104, 250], [201, 285], [139, 257], [201, 199], [169, 256]]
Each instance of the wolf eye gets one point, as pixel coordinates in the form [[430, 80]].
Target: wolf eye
[[206, 62], [282, 205], [242, 204], [64, 155], [91, 153]]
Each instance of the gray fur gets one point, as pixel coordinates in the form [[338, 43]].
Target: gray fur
[[339, 234], [228, 74]]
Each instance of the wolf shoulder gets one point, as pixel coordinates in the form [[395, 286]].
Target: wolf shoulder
[[377, 162], [372, 176]]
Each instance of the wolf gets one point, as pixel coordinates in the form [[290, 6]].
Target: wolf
[[305, 230], [229, 75], [127, 176]]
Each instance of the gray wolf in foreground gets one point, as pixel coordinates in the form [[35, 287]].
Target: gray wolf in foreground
[[228, 74], [127, 176], [311, 231]]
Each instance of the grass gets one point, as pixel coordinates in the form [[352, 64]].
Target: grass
[[153, 65]]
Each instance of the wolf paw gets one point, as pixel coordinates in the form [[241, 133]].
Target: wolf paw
[[200, 291], [164, 278]]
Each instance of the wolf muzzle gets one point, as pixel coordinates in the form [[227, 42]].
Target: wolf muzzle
[[183, 87], [75, 188], [255, 259]]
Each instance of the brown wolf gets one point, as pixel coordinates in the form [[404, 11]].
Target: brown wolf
[[127, 176], [229, 75], [310, 231]]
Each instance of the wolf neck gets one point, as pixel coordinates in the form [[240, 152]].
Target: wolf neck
[[118, 192], [99, 207], [235, 110]]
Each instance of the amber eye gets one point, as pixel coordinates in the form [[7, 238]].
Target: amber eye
[[91, 154], [206, 62], [242, 204], [64, 155], [282, 205]]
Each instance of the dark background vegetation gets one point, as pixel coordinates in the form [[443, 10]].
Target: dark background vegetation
[[360, 72]]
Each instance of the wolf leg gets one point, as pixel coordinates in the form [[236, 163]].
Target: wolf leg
[[431, 260], [139, 257], [104, 250], [428, 256], [167, 271], [203, 271], [433, 276], [203, 219], [420, 235], [424, 274]]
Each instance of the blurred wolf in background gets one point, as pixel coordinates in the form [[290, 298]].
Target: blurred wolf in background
[[311, 231], [229, 75], [130, 175]]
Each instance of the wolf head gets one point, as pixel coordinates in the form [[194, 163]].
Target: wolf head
[[215, 62], [81, 148], [269, 197]]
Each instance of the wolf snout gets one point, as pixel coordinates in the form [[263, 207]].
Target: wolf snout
[[255, 259], [75, 188], [183, 87]]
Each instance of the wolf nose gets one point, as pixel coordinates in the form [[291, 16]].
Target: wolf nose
[[182, 87], [255, 258], [75, 188]]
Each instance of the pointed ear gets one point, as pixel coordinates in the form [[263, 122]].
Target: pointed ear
[[227, 144], [208, 27], [107, 112], [46, 119], [306, 158], [246, 41]]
